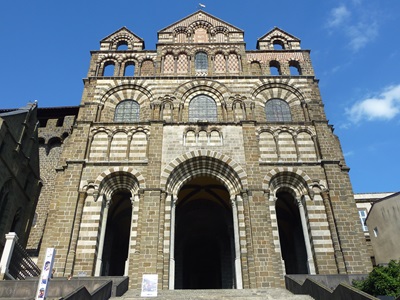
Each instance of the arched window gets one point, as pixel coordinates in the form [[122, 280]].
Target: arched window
[[122, 45], [294, 68], [127, 111], [278, 45], [129, 69], [275, 68], [277, 110], [108, 69], [201, 61], [202, 107]]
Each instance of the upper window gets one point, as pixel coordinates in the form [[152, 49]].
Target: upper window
[[202, 107], [277, 110], [127, 111], [108, 70], [275, 68], [362, 213], [278, 45], [201, 61], [129, 69], [294, 68], [122, 45]]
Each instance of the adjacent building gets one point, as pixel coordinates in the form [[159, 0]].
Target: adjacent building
[[384, 228], [20, 182]]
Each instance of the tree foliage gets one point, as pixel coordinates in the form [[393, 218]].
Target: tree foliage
[[383, 280]]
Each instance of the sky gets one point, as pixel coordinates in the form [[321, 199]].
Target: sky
[[355, 50]]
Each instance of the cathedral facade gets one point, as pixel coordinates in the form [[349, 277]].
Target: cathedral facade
[[202, 162]]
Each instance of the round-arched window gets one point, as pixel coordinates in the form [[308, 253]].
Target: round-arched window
[[127, 111], [202, 107], [277, 110]]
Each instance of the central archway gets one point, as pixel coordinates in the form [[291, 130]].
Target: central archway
[[204, 239], [204, 188]]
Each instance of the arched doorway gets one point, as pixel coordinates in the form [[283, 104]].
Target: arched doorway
[[116, 241], [291, 235], [204, 236]]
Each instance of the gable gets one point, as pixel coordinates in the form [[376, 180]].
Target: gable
[[122, 36], [277, 35], [200, 19]]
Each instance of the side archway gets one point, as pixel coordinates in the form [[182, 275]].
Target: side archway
[[119, 192], [289, 188]]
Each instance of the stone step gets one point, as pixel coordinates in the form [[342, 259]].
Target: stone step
[[245, 294]]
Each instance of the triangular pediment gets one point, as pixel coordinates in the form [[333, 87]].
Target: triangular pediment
[[267, 40], [199, 17], [277, 32], [122, 32], [122, 35]]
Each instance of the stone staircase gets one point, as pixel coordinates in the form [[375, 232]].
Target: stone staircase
[[245, 294]]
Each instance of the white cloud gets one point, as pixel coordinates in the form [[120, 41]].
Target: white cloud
[[338, 16], [361, 34], [359, 24], [384, 106], [349, 153]]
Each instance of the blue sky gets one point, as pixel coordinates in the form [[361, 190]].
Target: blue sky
[[355, 50]]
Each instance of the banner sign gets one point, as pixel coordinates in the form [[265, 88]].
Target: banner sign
[[149, 285], [45, 275]]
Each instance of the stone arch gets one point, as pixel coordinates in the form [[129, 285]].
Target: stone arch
[[289, 188], [131, 57], [119, 190], [281, 90], [122, 37], [200, 23], [116, 58], [218, 217], [114, 95], [180, 29], [219, 32], [288, 177], [190, 89], [126, 91], [200, 163], [118, 178]]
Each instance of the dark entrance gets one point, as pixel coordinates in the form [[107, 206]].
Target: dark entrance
[[291, 234], [116, 242], [204, 241]]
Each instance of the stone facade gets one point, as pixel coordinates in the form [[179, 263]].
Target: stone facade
[[204, 163], [55, 125], [20, 182]]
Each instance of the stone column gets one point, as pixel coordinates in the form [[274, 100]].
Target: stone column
[[238, 264], [106, 205], [133, 199], [171, 280], [310, 259]]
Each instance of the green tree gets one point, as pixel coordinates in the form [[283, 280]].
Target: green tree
[[383, 280]]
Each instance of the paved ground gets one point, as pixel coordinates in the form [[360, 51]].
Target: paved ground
[[248, 294]]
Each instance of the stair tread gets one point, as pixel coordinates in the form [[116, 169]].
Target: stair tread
[[248, 294]]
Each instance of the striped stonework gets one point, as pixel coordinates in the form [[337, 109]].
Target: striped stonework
[[245, 161]]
